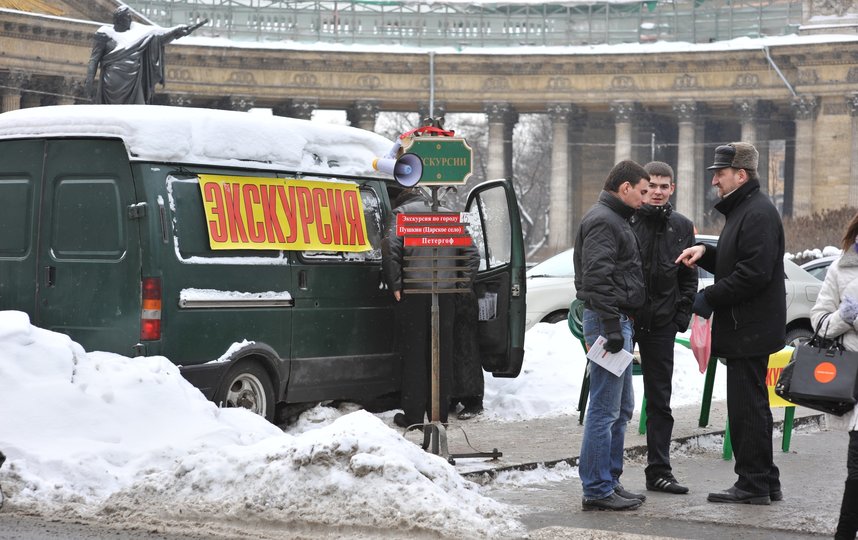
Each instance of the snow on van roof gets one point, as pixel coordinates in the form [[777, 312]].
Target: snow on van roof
[[207, 136]]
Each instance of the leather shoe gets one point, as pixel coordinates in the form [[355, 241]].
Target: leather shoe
[[776, 495], [611, 502], [469, 412], [739, 496], [621, 491]]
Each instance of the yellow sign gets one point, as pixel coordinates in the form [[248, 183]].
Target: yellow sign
[[777, 362], [275, 213]]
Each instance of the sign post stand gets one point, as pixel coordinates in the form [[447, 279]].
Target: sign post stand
[[444, 161]]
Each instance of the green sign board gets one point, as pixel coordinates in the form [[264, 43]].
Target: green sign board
[[446, 160]]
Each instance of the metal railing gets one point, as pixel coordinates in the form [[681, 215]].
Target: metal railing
[[459, 24]]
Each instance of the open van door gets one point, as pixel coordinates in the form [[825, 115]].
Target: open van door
[[495, 225]]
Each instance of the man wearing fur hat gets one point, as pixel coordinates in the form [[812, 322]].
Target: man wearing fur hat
[[748, 299]]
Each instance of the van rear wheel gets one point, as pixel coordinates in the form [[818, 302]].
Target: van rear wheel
[[247, 385]]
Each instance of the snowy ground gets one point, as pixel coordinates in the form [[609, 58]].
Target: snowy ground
[[105, 437]]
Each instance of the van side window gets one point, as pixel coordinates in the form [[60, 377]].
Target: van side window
[[16, 194], [372, 212], [190, 232], [88, 219]]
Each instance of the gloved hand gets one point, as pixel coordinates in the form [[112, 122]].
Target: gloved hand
[[848, 309], [613, 335], [681, 320], [701, 306]]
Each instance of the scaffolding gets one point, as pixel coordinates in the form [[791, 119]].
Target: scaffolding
[[460, 24]]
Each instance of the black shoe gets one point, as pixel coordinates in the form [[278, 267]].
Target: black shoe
[[611, 502], [776, 495], [666, 483], [621, 491], [739, 496], [400, 420], [469, 412]]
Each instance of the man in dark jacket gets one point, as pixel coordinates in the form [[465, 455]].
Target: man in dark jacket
[[413, 312], [609, 280], [749, 302], [662, 234]]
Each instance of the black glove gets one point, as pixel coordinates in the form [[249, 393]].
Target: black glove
[[701, 306], [681, 320], [613, 335]]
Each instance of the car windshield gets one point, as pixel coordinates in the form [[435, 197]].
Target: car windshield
[[559, 265]]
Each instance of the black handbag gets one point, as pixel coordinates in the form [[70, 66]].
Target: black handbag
[[822, 375]]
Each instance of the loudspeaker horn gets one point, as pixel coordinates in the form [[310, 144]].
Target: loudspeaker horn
[[406, 170]]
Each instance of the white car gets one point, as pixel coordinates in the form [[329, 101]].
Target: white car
[[551, 288]]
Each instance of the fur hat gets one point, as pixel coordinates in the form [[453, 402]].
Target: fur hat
[[738, 155]]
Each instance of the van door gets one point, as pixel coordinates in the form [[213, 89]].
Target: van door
[[342, 330], [495, 225], [89, 246], [20, 183]]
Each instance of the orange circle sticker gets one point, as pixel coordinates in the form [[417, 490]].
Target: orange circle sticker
[[825, 372]]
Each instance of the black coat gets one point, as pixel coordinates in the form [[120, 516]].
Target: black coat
[[748, 296], [608, 270], [670, 287]]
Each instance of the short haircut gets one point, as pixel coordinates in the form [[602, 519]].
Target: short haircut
[[625, 171], [659, 168]]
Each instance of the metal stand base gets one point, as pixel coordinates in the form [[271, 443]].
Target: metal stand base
[[435, 441]]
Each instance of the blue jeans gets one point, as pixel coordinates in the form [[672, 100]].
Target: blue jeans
[[609, 409]]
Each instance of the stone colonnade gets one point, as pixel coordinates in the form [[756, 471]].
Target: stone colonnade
[[570, 194]]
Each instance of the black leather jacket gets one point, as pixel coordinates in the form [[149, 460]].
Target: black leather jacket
[[662, 235], [608, 271]]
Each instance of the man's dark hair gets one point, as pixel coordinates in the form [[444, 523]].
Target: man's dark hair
[[659, 168], [625, 171]]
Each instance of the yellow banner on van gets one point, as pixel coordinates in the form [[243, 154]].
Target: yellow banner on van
[[244, 212]]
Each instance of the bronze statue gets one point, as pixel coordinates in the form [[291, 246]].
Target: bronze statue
[[131, 59]]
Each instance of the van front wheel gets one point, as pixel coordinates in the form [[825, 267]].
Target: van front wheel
[[247, 385]]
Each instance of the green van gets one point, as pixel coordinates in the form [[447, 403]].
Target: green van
[[147, 230]]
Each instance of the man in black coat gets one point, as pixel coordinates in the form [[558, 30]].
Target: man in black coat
[[749, 302], [670, 288]]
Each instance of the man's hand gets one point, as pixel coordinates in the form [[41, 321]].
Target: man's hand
[[701, 307], [691, 255], [613, 335], [397, 295]]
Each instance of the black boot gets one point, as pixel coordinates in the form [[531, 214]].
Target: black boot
[[847, 527]]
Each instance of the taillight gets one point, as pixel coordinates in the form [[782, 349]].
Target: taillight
[[150, 318]]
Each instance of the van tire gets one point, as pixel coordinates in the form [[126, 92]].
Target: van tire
[[247, 385]]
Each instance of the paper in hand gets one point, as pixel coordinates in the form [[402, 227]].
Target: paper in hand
[[616, 362]]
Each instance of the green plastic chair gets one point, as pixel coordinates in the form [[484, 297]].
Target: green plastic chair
[[576, 326]]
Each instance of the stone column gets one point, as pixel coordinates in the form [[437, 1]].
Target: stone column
[[498, 115], [297, 108], [754, 118], [624, 112], [852, 105], [575, 200], [805, 108], [559, 232], [439, 109], [687, 182], [11, 95], [702, 181], [363, 114]]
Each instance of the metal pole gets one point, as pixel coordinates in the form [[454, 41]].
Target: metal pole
[[432, 93], [436, 327]]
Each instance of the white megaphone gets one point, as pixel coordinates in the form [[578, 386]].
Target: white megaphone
[[406, 170]]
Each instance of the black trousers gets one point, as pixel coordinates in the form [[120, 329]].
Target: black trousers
[[852, 457], [414, 337], [468, 380], [656, 349], [750, 418]]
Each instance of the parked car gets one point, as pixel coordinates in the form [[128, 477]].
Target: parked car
[[551, 288], [818, 268]]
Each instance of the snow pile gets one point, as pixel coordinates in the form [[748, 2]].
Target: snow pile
[[97, 434], [550, 379], [815, 253]]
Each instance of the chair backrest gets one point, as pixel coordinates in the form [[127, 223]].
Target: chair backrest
[[576, 319]]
